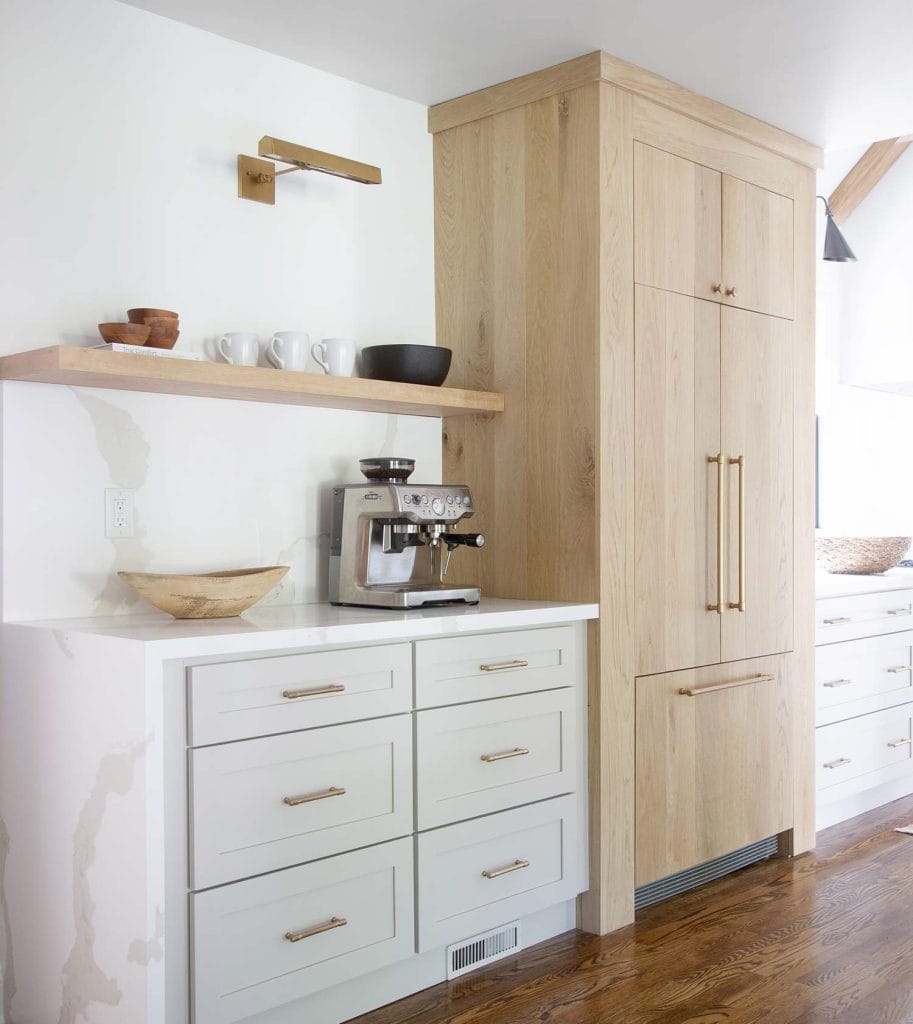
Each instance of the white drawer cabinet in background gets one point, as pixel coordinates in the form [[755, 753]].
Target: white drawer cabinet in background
[[864, 695]]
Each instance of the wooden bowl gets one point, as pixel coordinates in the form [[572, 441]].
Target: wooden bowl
[[124, 334], [138, 316], [208, 595], [163, 331]]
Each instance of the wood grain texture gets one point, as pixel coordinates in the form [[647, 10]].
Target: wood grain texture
[[96, 368], [677, 232], [758, 249], [677, 427], [602, 66], [713, 770], [865, 174], [819, 938]]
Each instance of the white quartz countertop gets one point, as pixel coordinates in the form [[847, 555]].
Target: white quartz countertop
[[842, 585], [315, 625]]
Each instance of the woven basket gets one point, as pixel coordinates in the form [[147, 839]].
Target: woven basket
[[860, 556]]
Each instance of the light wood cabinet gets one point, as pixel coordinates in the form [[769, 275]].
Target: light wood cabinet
[[713, 762]]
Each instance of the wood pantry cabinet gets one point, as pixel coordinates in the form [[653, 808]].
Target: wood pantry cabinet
[[633, 266]]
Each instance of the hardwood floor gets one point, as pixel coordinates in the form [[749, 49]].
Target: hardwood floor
[[826, 937]]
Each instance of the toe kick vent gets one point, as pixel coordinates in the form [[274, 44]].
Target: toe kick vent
[[483, 949]]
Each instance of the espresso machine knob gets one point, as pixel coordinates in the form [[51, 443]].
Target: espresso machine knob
[[437, 506]]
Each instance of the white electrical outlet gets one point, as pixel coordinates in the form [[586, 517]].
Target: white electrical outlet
[[118, 512]]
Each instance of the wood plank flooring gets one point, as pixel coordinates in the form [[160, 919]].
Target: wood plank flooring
[[827, 937]]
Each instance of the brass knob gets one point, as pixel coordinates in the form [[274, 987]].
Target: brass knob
[[730, 291], [716, 288]]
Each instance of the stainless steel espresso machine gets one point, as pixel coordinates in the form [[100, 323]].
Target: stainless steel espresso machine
[[391, 542]]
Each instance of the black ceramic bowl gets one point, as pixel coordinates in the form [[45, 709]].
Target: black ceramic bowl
[[408, 364]]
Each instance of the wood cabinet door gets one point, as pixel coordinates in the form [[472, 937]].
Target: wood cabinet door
[[676, 224], [713, 763], [677, 427], [756, 358], [758, 270]]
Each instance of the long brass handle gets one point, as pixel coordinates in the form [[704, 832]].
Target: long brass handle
[[834, 683], [315, 691], [501, 665], [841, 620], [517, 865], [696, 691], [839, 763], [740, 604], [900, 668], [900, 743], [516, 752], [720, 545], [309, 798], [334, 922]]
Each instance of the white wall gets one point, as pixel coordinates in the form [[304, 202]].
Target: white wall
[[865, 333], [118, 188]]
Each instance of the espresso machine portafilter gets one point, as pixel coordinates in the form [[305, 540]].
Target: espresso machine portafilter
[[392, 542]]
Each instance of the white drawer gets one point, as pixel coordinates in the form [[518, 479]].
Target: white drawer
[[347, 786], [493, 755], [863, 752], [243, 961], [858, 676], [241, 699], [848, 618], [468, 668], [483, 873]]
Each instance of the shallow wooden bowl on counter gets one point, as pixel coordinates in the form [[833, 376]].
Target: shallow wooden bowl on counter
[[163, 331], [124, 334], [208, 595], [138, 316]]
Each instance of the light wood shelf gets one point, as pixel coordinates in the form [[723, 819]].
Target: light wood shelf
[[97, 368]]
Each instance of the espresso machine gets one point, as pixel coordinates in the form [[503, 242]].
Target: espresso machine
[[391, 541]]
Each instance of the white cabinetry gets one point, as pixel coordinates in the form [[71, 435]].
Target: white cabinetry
[[864, 688]]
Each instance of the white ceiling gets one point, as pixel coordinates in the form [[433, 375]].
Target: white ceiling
[[837, 72]]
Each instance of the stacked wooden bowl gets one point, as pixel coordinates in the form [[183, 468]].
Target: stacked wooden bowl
[[154, 328]]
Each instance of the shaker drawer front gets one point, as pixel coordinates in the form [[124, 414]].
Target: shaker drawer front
[[865, 751], [468, 668], [859, 676], [493, 755], [849, 618], [264, 804], [241, 699], [483, 873], [268, 941]]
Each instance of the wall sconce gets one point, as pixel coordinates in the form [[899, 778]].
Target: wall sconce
[[257, 177]]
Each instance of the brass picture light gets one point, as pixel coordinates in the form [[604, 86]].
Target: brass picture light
[[257, 176]]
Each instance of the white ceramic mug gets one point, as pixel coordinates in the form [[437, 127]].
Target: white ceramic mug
[[239, 348], [335, 356], [288, 350]]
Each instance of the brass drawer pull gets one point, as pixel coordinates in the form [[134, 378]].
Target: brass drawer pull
[[732, 291], [841, 620], [834, 683], [899, 743], [900, 668], [334, 922], [500, 666], [743, 575], [720, 541], [309, 798], [839, 763], [517, 865], [696, 691], [899, 611], [315, 691], [516, 752]]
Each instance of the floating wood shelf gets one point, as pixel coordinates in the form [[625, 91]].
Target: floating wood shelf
[[97, 368]]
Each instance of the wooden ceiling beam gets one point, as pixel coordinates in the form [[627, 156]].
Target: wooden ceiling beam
[[871, 167]]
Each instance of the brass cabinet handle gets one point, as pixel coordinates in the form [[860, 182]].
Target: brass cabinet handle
[[716, 288], [500, 666], [900, 743], [696, 691], [516, 752], [834, 683], [334, 922], [899, 611], [315, 691], [900, 668], [740, 462], [720, 549], [309, 798], [839, 763], [517, 865], [841, 620], [731, 291]]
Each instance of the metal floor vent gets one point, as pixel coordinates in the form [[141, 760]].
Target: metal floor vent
[[665, 888], [483, 949]]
